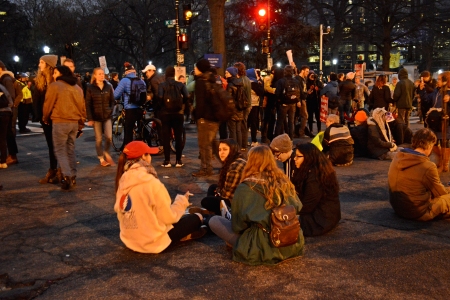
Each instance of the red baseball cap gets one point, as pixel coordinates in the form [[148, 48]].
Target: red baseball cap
[[136, 149]]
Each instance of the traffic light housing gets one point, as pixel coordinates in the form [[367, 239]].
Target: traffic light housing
[[266, 46], [261, 18], [187, 14], [183, 41]]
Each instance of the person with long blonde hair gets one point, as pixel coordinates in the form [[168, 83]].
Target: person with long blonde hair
[[264, 186], [99, 106], [44, 78]]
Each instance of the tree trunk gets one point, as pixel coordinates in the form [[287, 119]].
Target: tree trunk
[[217, 18], [386, 52]]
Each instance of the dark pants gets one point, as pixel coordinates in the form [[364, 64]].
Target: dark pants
[[132, 116], [283, 111], [23, 115], [172, 122], [212, 202], [223, 132], [5, 120], [313, 111], [186, 225], [268, 124], [244, 128], [48, 133], [11, 134], [206, 133], [253, 121]]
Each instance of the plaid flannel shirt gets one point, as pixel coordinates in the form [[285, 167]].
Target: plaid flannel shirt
[[233, 179]]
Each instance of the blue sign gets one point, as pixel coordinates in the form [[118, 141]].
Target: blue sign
[[215, 60]]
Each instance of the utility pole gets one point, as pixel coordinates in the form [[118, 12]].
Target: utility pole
[[177, 29], [320, 46]]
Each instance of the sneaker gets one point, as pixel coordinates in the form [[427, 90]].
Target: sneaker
[[166, 164], [254, 144], [202, 173], [224, 210], [179, 164], [195, 235], [11, 160], [109, 159], [3, 166], [104, 163]]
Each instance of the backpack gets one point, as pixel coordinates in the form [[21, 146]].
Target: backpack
[[138, 94], [222, 102], [291, 91], [434, 120], [172, 99], [240, 97]]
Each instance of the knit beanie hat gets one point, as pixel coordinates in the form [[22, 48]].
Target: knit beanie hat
[[170, 71], [2, 65], [203, 65], [136, 149], [282, 143], [128, 67], [361, 116], [350, 75], [50, 60], [233, 71]]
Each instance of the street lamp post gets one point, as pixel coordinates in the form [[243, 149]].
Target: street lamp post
[[46, 49], [321, 42]]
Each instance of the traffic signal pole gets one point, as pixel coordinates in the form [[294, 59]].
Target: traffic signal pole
[[269, 59], [177, 29]]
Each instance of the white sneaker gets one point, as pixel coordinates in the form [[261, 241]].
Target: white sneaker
[[224, 210], [254, 144], [3, 166]]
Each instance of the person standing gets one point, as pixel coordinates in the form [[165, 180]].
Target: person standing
[[362, 93], [64, 105], [133, 112], [235, 87], [347, 90], [426, 87], [403, 96], [257, 94], [301, 106], [314, 86], [248, 90], [173, 95], [8, 80], [114, 81], [44, 78], [99, 107], [380, 97], [5, 120], [25, 104], [207, 124]]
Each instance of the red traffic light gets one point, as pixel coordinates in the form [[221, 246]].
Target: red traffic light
[[262, 12]]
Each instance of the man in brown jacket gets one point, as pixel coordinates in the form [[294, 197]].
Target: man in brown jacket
[[415, 189], [64, 105]]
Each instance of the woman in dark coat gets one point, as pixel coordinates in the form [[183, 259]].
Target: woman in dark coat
[[99, 106], [318, 189], [313, 100], [380, 95]]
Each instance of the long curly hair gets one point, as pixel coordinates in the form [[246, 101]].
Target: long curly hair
[[231, 158], [261, 168], [44, 78], [319, 165]]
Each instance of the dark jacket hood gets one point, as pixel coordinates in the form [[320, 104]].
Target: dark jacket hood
[[408, 158], [68, 79], [402, 74]]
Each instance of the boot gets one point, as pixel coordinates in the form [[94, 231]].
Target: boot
[[437, 150], [66, 183], [445, 159], [58, 178], [51, 175]]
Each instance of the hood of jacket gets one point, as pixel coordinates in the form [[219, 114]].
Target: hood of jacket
[[408, 158], [72, 80], [7, 73], [236, 81], [333, 83], [402, 74], [251, 74]]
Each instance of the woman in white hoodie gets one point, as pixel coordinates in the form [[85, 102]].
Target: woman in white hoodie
[[149, 222]]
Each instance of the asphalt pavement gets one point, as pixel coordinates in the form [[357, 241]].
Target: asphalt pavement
[[57, 244]]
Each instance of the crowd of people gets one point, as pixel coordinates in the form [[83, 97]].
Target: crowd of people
[[242, 207]]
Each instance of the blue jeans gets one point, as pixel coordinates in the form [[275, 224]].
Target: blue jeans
[[244, 128], [105, 128], [283, 110], [222, 228], [64, 135], [206, 131]]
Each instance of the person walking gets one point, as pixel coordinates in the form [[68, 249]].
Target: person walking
[[99, 106], [403, 96], [64, 105]]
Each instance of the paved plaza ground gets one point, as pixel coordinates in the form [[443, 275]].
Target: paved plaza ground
[[56, 244]]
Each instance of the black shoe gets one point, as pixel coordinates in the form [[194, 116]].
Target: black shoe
[[66, 183], [25, 130]]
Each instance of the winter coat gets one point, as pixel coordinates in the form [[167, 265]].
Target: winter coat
[[347, 90], [380, 139], [253, 246], [331, 89], [145, 211], [279, 91], [321, 212], [124, 90], [183, 91], [99, 103], [64, 102], [14, 88], [234, 82], [8, 96], [413, 182], [404, 91], [338, 144], [314, 97], [203, 108], [360, 135], [380, 97]]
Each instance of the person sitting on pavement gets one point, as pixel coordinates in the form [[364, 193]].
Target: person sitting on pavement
[[380, 142], [281, 147], [264, 187], [149, 221], [337, 142], [318, 189], [415, 189], [360, 134], [401, 133], [230, 176]]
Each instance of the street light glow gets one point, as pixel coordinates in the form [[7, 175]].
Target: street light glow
[[46, 49], [334, 61], [278, 64], [440, 71], [16, 58], [246, 48], [149, 62]]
